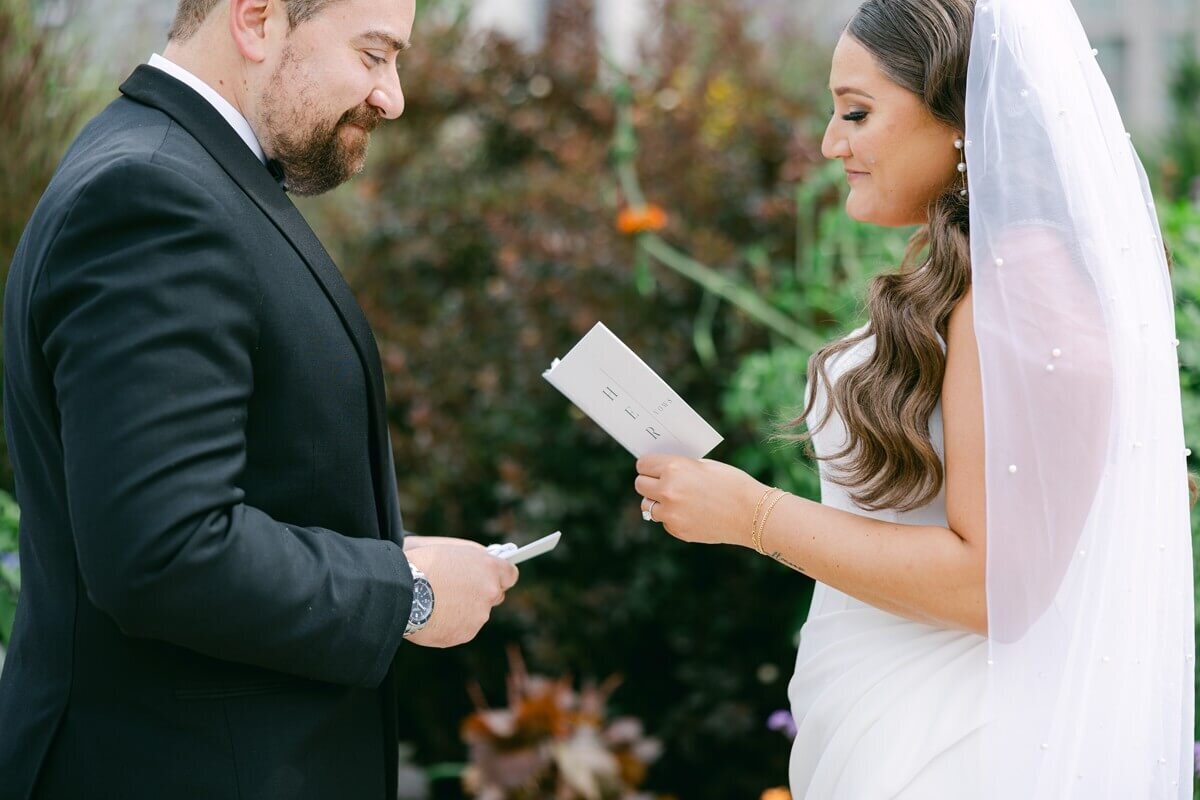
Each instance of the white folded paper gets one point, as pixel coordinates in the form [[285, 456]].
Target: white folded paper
[[613, 386]]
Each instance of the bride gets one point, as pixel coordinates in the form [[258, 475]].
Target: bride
[[1003, 605]]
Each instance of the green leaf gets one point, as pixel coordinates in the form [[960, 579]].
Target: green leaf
[[8, 611]]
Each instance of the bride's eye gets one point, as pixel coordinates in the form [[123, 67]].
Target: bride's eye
[[855, 116]]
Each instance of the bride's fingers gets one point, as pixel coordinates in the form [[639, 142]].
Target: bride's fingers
[[648, 487], [652, 465], [651, 509]]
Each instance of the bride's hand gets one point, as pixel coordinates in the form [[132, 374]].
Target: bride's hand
[[698, 500]]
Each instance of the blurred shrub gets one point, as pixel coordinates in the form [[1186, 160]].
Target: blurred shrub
[[1178, 169], [10, 567], [40, 110]]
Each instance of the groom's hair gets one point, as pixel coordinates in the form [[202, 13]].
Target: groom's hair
[[190, 14]]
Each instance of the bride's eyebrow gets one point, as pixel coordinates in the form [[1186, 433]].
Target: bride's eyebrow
[[841, 90]]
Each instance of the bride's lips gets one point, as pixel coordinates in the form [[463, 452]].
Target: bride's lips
[[853, 175]]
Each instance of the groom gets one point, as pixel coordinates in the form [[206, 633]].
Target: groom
[[215, 574]]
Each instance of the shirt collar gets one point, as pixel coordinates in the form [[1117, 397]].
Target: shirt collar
[[226, 109]]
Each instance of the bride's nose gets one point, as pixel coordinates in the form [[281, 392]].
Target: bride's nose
[[834, 144]]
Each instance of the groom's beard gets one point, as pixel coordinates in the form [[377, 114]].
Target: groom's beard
[[328, 156]]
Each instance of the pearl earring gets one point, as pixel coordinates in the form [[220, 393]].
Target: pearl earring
[[962, 165]]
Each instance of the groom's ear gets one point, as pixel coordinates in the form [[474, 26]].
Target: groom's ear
[[257, 26]]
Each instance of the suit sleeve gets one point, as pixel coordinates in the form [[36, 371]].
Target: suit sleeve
[[146, 312]]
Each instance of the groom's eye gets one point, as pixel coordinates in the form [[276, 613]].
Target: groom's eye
[[375, 59]]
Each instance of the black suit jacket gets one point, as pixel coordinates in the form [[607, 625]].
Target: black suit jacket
[[213, 582]]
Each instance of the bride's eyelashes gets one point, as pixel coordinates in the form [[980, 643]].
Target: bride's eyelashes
[[852, 116]]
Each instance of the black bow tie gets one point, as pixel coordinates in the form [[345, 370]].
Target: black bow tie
[[276, 171]]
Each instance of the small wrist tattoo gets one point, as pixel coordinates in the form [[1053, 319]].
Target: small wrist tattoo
[[778, 556]]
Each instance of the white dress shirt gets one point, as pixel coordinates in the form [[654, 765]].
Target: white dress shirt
[[226, 109]]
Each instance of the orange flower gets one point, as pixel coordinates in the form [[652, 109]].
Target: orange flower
[[778, 793], [640, 220]]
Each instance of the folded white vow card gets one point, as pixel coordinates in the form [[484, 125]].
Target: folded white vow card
[[613, 386]]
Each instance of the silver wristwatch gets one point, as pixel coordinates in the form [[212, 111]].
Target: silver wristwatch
[[422, 601]]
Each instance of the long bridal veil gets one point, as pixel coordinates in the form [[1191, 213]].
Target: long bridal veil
[[1089, 572]]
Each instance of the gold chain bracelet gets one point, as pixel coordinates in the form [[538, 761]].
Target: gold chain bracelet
[[754, 520], [756, 537]]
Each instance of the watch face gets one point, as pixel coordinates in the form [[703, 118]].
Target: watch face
[[422, 600]]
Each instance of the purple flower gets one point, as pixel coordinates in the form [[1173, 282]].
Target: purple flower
[[10, 560], [1196, 757], [782, 721]]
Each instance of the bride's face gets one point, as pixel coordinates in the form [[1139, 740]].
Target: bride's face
[[898, 156]]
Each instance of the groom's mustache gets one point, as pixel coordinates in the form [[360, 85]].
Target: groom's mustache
[[364, 117]]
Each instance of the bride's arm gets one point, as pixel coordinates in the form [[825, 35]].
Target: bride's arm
[[925, 573]]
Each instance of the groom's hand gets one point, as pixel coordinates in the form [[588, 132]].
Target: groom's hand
[[413, 541], [467, 583]]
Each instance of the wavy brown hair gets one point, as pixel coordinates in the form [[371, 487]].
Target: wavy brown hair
[[889, 460]]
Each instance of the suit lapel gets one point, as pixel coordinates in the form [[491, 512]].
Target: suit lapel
[[194, 114]]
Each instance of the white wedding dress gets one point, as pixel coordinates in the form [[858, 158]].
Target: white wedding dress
[[884, 707]]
